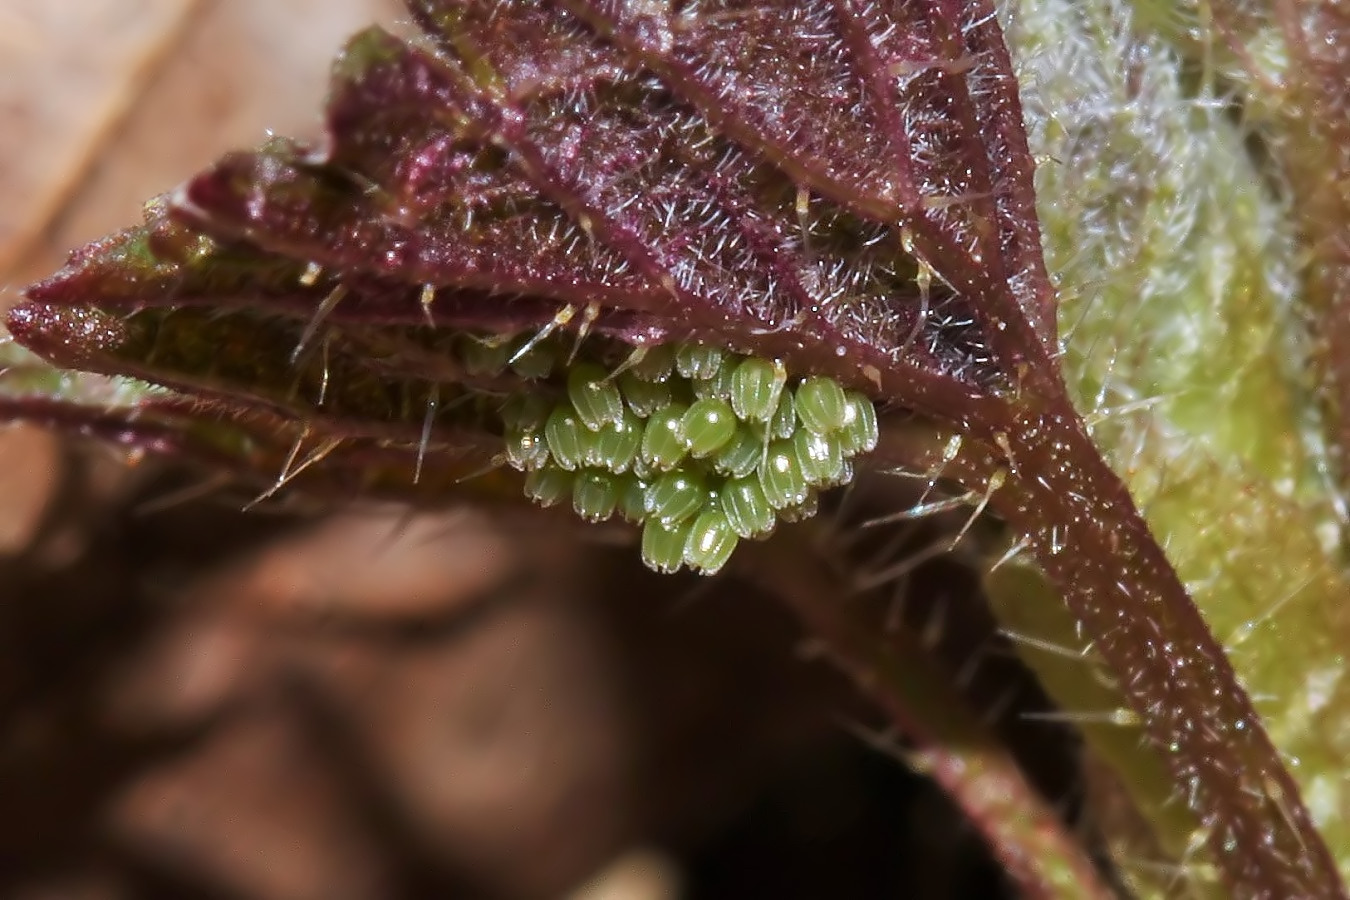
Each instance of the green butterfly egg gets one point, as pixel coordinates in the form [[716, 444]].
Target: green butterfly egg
[[698, 360], [747, 511], [564, 433], [710, 541], [720, 386], [707, 426], [641, 469], [595, 495], [526, 449], [632, 498], [801, 511], [616, 445], [527, 411], [548, 486], [652, 363], [741, 455], [821, 404], [783, 425], [845, 475], [859, 432], [535, 363], [484, 356], [780, 476], [820, 457], [594, 395], [643, 397], [755, 388], [663, 545], [662, 440], [675, 496]]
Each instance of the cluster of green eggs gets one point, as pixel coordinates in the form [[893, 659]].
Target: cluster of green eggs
[[701, 447]]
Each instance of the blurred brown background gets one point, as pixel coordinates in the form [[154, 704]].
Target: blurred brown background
[[199, 702]]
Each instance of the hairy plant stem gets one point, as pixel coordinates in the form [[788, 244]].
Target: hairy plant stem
[[1034, 845], [1083, 529]]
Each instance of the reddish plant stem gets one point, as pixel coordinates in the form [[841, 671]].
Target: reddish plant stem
[[1034, 845], [1085, 532]]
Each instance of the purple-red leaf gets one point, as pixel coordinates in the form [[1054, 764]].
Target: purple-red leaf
[[842, 185]]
